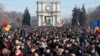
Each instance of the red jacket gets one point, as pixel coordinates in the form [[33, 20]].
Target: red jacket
[[8, 45]]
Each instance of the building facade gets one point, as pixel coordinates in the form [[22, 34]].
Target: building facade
[[48, 13]]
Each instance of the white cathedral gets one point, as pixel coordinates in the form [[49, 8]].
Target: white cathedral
[[48, 13]]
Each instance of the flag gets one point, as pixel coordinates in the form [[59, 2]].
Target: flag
[[6, 26], [97, 30], [96, 26], [77, 22]]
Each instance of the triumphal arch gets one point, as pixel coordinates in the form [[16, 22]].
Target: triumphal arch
[[48, 13]]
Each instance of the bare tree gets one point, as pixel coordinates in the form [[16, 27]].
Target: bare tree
[[93, 15]]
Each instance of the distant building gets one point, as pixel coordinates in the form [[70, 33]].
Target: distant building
[[48, 13]]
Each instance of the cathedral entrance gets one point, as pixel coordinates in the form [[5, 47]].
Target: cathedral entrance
[[48, 20]]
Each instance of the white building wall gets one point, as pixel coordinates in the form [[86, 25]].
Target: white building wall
[[42, 12], [39, 6], [39, 21], [53, 21], [58, 6], [54, 7]]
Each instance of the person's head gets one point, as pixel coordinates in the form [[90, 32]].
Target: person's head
[[47, 50], [60, 51], [28, 42], [97, 40], [17, 52], [93, 45], [5, 51], [18, 46], [66, 51], [22, 45], [9, 36], [33, 48], [68, 44], [72, 54], [56, 46], [17, 42], [79, 50], [92, 50], [99, 45], [87, 44]]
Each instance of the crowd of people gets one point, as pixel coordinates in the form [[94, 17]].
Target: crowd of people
[[49, 41]]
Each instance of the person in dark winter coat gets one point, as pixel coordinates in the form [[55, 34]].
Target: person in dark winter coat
[[98, 48], [48, 52], [34, 51], [66, 52], [22, 32], [93, 52], [24, 50]]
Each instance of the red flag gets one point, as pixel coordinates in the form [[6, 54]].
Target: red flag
[[4, 25]]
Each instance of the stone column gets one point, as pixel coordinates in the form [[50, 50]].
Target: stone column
[[43, 19], [58, 6], [39, 6], [58, 19], [53, 20], [39, 20]]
